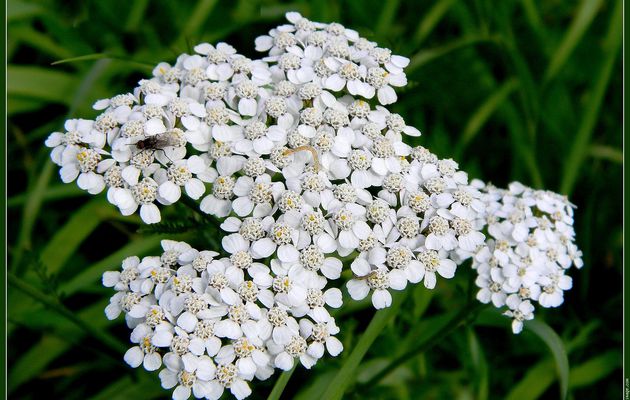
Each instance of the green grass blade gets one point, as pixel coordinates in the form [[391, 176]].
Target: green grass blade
[[480, 365], [33, 361], [281, 383], [346, 375], [387, 15], [54, 345], [17, 10], [60, 309], [54, 192], [524, 150], [29, 214], [313, 389], [430, 20], [41, 84], [134, 18], [483, 113], [40, 41], [583, 18], [87, 57], [533, 16], [555, 344], [579, 149], [425, 56], [93, 273], [607, 153], [595, 369], [535, 382], [441, 327], [67, 239], [197, 17], [146, 387]]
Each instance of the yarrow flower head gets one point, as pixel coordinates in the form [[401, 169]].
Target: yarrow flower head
[[530, 249], [303, 166]]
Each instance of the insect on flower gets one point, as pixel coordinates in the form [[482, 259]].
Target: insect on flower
[[158, 142]]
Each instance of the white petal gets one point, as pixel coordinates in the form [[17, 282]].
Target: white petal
[[170, 191], [263, 248], [247, 107], [381, 299], [357, 289], [334, 346], [187, 321], [284, 361], [152, 361], [150, 213], [361, 267], [134, 356]]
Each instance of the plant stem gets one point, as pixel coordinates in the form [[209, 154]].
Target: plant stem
[[281, 383], [346, 376], [466, 315]]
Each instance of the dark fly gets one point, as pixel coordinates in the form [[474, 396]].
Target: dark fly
[[157, 142]]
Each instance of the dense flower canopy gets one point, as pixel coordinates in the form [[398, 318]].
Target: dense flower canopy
[[304, 166]]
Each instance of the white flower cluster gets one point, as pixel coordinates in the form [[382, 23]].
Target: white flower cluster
[[334, 57], [218, 323], [137, 147], [531, 246], [149, 145], [303, 168]]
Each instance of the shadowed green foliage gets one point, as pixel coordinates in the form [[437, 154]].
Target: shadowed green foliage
[[523, 90]]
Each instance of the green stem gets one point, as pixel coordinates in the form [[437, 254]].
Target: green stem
[[56, 306], [346, 376], [460, 319], [281, 383]]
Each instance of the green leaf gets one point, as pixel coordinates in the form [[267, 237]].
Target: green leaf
[[314, 388], [134, 17], [63, 335], [53, 192], [483, 113], [17, 10], [555, 344], [19, 105], [430, 20], [41, 84], [480, 365], [386, 16], [578, 150], [34, 360], [346, 375], [607, 153], [147, 386], [196, 19], [54, 304], [424, 335], [93, 273], [595, 369], [281, 383], [535, 382], [39, 41], [533, 16], [524, 150], [30, 212], [67, 239], [87, 57], [582, 20], [425, 56]]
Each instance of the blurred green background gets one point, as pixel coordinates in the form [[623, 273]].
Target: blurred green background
[[513, 90]]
